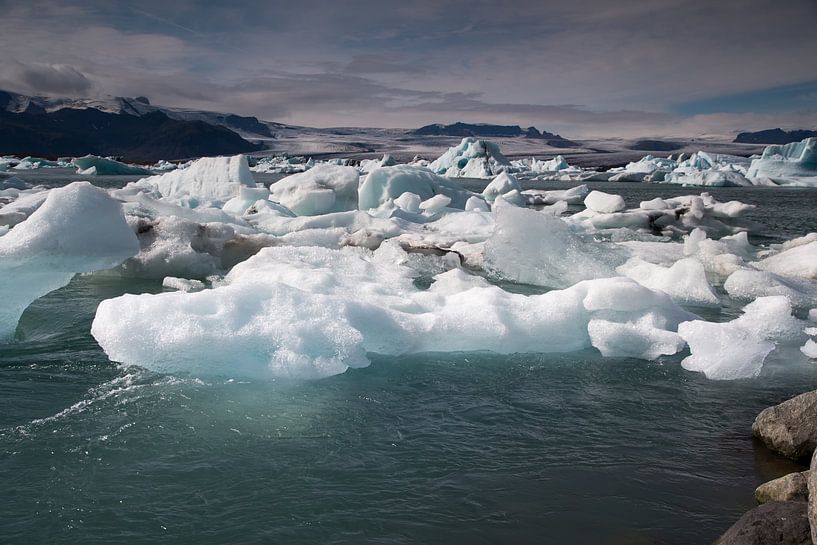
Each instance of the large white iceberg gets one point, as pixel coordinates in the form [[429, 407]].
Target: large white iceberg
[[389, 183], [789, 161], [78, 229], [320, 190], [209, 181], [471, 158], [313, 312]]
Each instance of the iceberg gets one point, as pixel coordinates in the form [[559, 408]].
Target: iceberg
[[472, 158], [531, 247], [737, 349], [798, 159], [209, 181], [750, 284], [320, 190], [312, 312], [388, 183], [77, 229], [798, 260], [101, 166]]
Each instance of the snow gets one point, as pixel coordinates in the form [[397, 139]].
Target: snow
[[320, 190], [102, 166], [78, 228], [313, 312]]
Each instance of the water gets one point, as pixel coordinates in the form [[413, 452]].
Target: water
[[454, 448]]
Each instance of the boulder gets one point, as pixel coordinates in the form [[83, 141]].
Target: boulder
[[773, 523], [812, 495], [791, 487], [790, 428]]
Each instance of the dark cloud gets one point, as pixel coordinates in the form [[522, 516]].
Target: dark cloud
[[581, 66], [382, 64], [60, 79]]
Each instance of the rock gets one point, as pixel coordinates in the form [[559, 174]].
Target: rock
[[773, 523], [791, 427], [812, 494], [791, 487]]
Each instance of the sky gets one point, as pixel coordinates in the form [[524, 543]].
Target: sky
[[581, 68]]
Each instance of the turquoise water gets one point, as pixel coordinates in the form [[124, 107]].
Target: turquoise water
[[454, 448]]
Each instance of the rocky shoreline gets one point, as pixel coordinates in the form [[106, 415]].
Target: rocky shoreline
[[787, 514]]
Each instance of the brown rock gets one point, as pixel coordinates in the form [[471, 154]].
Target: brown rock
[[773, 523], [791, 427], [791, 487], [812, 495]]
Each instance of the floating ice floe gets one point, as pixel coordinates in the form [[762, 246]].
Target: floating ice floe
[[313, 312], [31, 163], [92, 165], [737, 349], [78, 228]]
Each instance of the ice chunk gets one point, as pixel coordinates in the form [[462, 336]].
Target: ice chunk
[[182, 284], [313, 312], [647, 169], [574, 195], [791, 160], [472, 158], [173, 246], [535, 248], [246, 199], [737, 349], [809, 349], [435, 204], [796, 261], [322, 189], [604, 203], [410, 202], [751, 284], [209, 181], [502, 184], [101, 166], [387, 183], [78, 228], [685, 281]]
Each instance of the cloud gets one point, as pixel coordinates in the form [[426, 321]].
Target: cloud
[[60, 79], [576, 66]]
